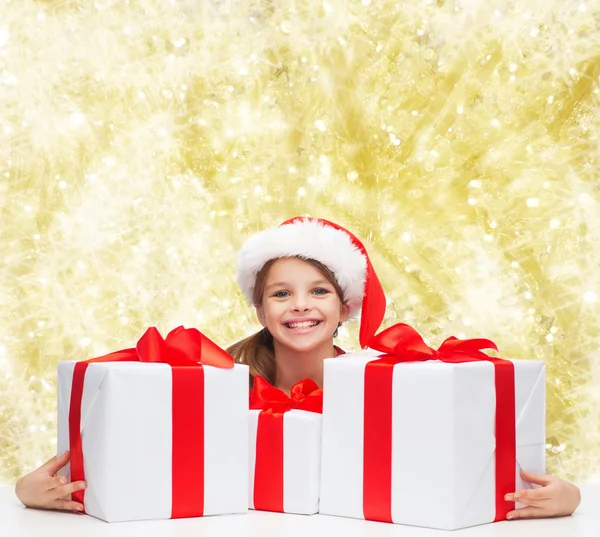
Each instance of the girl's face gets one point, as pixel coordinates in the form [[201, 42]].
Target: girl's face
[[300, 306]]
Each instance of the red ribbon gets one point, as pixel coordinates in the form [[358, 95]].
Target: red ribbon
[[185, 350], [403, 344], [273, 403]]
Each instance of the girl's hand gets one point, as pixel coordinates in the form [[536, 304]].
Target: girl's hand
[[555, 497], [43, 489]]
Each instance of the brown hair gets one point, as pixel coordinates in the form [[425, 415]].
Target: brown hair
[[257, 350]]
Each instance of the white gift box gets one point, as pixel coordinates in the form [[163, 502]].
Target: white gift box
[[301, 460], [126, 432], [443, 438]]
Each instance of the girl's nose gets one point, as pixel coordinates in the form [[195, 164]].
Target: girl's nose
[[301, 304]]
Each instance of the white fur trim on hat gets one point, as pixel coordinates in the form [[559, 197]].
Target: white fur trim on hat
[[308, 239]]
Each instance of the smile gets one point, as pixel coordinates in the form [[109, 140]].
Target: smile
[[302, 324]]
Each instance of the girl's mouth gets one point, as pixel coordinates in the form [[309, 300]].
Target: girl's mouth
[[302, 325]]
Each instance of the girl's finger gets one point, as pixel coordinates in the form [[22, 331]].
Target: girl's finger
[[57, 481], [69, 488], [526, 512], [56, 463], [48, 463], [532, 494], [65, 505], [526, 499], [533, 503], [538, 479]]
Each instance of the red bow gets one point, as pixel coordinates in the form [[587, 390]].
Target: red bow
[[182, 347], [304, 395], [402, 343], [186, 350]]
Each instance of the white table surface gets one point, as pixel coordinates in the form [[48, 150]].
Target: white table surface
[[17, 521]]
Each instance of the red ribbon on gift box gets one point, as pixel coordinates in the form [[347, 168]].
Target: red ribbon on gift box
[[274, 403], [185, 350], [402, 343]]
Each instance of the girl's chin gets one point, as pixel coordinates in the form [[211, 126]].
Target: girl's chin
[[297, 344]]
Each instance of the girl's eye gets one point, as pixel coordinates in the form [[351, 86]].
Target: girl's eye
[[320, 291], [281, 294]]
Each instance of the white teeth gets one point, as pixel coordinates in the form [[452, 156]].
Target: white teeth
[[306, 324]]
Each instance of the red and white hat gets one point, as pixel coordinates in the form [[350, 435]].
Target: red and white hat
[[333, 246]]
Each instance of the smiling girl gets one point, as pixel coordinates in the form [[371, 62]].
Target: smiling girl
[[305, 278]]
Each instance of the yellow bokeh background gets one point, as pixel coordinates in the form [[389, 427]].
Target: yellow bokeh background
[[142, 141]]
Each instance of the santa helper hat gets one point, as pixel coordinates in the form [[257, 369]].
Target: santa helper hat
[[333, 246]]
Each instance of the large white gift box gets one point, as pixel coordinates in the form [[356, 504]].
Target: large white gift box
[[137, 447], [442, 441]]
